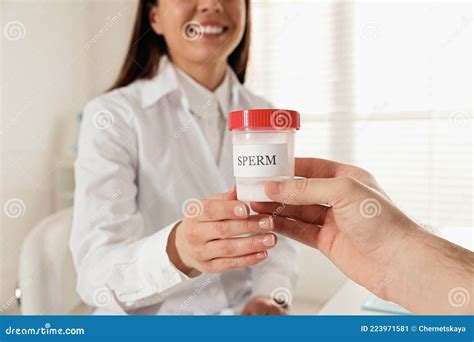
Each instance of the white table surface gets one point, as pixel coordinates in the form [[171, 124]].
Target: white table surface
[[348, 301]]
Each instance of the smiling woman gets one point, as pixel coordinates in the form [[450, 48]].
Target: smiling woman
[[162, 27], [166, 151]]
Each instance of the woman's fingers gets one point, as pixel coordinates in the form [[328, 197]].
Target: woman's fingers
[[238, 246], [224, 264], [298, 230], [314, 214], [229, 195], [227, 228], [215, 210]]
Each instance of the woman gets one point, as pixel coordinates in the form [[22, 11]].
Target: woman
[[141, 241]]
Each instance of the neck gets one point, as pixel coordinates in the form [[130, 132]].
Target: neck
[[209, 74]]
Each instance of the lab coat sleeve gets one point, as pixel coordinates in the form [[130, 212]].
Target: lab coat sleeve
[[277, 275], [117, 265]]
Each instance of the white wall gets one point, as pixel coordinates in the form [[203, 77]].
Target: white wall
[[48, 74]]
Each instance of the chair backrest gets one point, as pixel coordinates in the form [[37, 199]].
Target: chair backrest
[[47, 277]]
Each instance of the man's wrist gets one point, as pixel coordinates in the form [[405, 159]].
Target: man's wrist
[[419, 278], [403, 270]]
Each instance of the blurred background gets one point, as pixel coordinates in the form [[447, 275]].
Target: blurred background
[[384, 85]]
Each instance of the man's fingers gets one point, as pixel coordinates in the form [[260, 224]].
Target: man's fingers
[[312, 191], [314, 214], [303, 232], [315, 168], [234, 247], [322, 168]]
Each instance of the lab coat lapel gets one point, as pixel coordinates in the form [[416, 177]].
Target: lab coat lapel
[[220, 175], [225, 166], [202, 163], [192, 146], [236, 103]]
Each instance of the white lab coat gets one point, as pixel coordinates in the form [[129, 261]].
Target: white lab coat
[[141, 156]]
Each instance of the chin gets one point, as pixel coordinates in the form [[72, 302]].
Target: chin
[[207, 55]]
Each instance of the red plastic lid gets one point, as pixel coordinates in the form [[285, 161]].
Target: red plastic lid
[[277, 119]]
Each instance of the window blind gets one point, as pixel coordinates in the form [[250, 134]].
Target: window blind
[[384, 85]]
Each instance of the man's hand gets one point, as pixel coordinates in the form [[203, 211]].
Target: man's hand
[[341, 210]]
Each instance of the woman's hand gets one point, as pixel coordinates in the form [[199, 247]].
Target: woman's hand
[[205, 240], [263, 306]]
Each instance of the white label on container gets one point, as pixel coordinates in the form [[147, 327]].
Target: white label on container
[[261, 160]]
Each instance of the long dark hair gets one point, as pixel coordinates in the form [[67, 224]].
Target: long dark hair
[[146, 48]]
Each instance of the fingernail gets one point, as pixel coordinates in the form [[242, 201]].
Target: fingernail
[[268, 240], [274, 188], [266, 222], [261, 255], [240, 211]]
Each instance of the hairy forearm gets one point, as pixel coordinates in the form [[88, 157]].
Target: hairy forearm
[[434, 276]]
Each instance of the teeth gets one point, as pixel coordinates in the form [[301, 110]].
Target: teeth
[[212, 29]]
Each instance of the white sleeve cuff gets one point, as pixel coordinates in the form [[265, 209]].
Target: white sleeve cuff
[[156, 270], [161, 272]]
